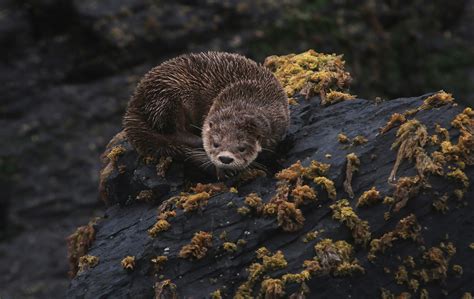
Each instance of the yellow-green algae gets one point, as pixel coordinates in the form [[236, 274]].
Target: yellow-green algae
[[115, 153], [229, 247], [216, 294], [163, 165], [360, 229], [165, 289], [198, 247], [78, 244], [328, 185], [352, 166], [369, 197], [337, 258], [159, 262], [342, 138], [303, 193], [407, 228], [128, 263], [412, 137], [256, 271], [160, 226], [311, 73], [86, 262], [395, 120]]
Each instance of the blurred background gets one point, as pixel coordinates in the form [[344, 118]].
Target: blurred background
[[68, 67]]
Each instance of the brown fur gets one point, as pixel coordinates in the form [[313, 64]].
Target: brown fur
[[242, 101]]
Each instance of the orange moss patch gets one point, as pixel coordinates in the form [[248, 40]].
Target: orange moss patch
[[163, 165], [216, 294], [369, 197], [145, 196], [128, 263], [303, 193], [211, 189], [353, 164], [407, 228], [337, 258], [272, 288], [406, 188], [115, 153], [439, 99], [328, 185], [165, 289], [360, 229], [193, 202], [86, 262], [342, 138], [289, 218], [160, 226], [315, 169], [309, 73], [256, 271], [159, 262], [411, 140], [200, 244], [359, 139], [230, 247], [395, 120], [254, 201], [291, 173], [78, 244], [333, 97]]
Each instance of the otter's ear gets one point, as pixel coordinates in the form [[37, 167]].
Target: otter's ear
[[211, 124]]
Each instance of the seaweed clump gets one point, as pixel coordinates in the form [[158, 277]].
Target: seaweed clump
[[159, 262], [78, 244], [128, 263], [369, 197], [437, 262], [412, 137], [160, 226], [333, 97], [165, 290], [406, 228], [310, 73], [395, 119], [256, 271], [292, 192], [406, 188], [115, 153], [353, 164], [360, 229], [336, 258], [200, 244], [437, 100], [87, 261]]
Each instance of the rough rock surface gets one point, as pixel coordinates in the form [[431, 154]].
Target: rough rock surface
[[313, 134]]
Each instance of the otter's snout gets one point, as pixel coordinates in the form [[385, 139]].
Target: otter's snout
[[226, 159]]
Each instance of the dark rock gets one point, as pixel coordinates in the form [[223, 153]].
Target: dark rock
[[313, 134]]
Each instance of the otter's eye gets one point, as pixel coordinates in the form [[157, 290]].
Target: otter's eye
[[241, 149], [216, 145]]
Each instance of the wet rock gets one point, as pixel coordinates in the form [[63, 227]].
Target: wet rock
[[313, 136]]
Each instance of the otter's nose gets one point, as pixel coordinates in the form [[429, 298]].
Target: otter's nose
[[226, 160]]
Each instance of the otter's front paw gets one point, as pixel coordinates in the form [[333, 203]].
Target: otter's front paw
[[223, 174]]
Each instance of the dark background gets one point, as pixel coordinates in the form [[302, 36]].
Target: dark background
[[68, 67]]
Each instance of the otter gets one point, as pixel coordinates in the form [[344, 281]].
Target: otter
[[214, 108]]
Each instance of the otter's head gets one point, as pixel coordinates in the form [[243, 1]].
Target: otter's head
[[231, 141]]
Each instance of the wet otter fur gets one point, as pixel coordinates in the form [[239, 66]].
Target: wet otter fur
[[215, 108]]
